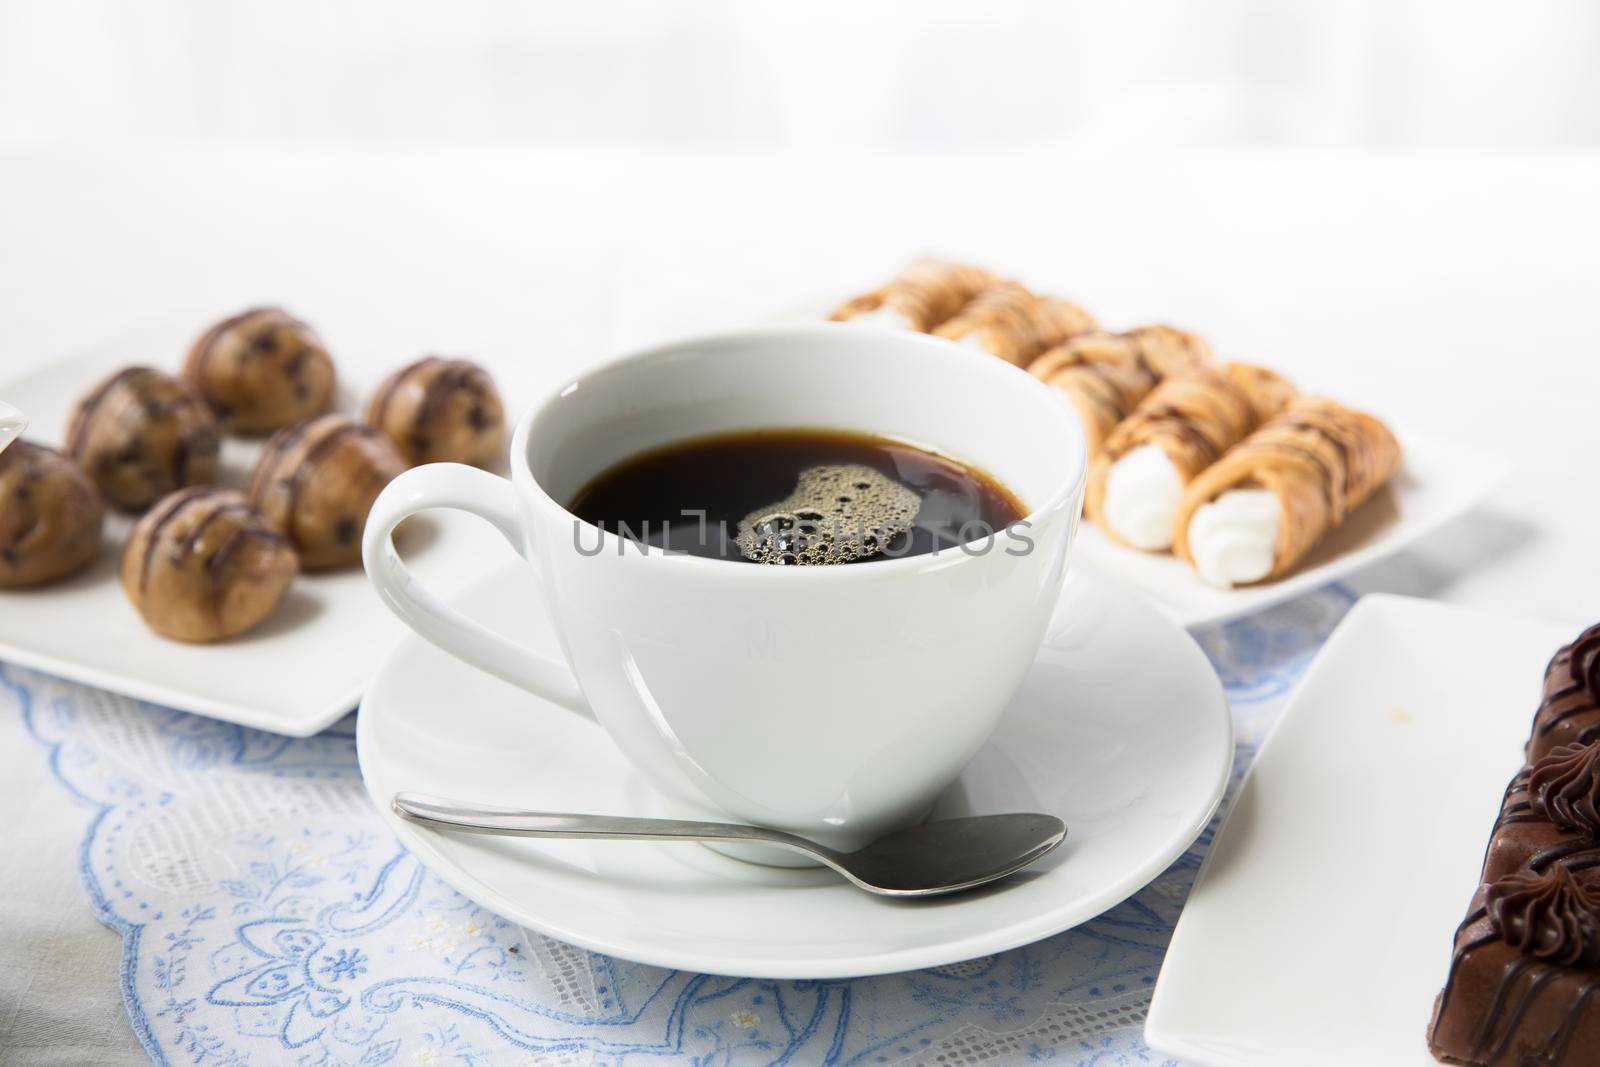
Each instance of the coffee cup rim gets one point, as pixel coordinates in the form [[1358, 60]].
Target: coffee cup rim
[[1034, 390]]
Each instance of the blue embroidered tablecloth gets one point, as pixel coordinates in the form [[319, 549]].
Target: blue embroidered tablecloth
[[268, 917]]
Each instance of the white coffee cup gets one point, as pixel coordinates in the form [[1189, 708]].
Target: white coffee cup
[[833, 702], [11, 425]]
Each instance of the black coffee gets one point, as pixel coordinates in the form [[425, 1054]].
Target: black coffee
[[796, 497]]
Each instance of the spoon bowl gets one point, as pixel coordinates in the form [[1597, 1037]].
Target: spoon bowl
[[928, 860]]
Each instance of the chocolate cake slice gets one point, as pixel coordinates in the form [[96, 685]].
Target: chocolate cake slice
[[1524, 983]]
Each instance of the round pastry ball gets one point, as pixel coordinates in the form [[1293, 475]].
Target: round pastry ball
[[50, 516], [261, 370], [203, 565], [316, 482], [441, 411], [141, 434]]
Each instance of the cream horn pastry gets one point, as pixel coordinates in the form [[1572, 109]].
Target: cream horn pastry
[[1009, 321], [1106, 374], [922, 296], [1182, 427], [1254, 513]]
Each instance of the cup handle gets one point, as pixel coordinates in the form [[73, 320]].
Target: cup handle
[[463, 488]]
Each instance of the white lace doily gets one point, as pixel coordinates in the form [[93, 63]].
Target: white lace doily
[[268, 917]]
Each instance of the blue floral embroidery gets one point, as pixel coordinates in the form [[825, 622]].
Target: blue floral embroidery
[[298, 932], [346, 963]]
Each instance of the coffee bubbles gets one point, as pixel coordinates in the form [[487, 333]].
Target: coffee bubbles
[[793, 497], [838, 513]]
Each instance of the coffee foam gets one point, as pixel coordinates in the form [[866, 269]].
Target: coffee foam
[[837, 513]]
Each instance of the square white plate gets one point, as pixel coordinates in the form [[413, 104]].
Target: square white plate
[[298, 671], [1438, 481], [1319, 929]]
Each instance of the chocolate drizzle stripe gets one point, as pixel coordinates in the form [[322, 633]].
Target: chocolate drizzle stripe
[[1340, 446], [1263, 446], [1570, 689], [218, 510], [380, 403], [1491, 1015], [247, 531], [1336, 484], [182, 451], [1172, 422], [1135, 345], [1099, 391], [313, 455], [272, 455], [1561, 716], [1576, 709], [160, 519], [1460, 952], [220, 557], [439, 390], [79, 429], [1564, 1037], [1090, 384], [205, 346], [1529, 992], [1586, 703], [1581, 853], [215, 590]]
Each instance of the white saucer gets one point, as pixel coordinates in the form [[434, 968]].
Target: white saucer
[[1120, 729]]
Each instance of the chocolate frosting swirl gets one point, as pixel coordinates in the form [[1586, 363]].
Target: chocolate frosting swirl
[[1549, 915], [1565, 786]]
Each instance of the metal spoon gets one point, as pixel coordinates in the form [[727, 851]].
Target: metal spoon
[[924, 861]]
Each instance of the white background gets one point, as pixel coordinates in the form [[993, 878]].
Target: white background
[[1392, 202], [941, 73]]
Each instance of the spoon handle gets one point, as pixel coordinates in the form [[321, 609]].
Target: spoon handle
[[485, 819]]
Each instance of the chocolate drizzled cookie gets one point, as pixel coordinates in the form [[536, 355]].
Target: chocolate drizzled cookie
[[441, 410], [50, 516], [203, 565], [141, 434], [260, 370], [316, 481]]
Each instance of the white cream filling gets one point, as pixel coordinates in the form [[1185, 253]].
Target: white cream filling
[[884, 316], [975, 340], [1233, 538], [1142, 491]]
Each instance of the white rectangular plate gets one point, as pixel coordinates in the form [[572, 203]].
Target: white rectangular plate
[[1438, 481], [1320, 927], [298, 671]]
